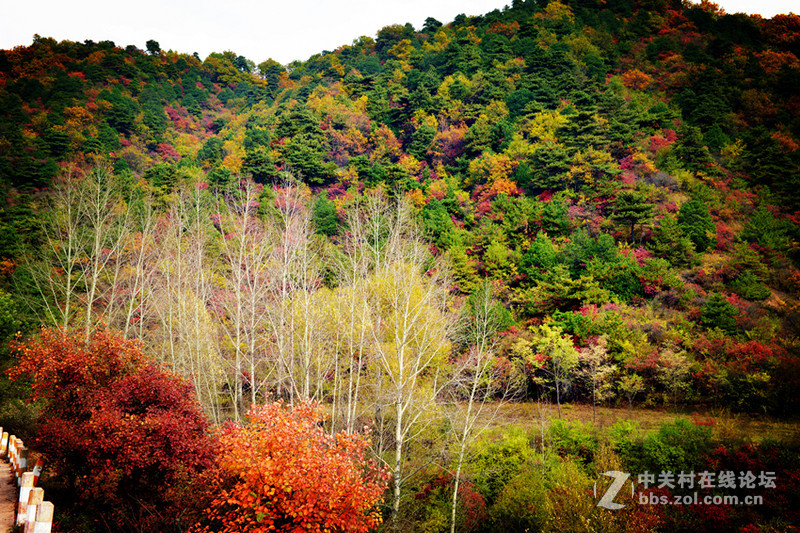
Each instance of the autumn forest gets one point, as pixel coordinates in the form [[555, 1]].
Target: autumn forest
[[440, 279]]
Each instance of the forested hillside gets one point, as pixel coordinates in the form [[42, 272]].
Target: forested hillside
[[562, 202]]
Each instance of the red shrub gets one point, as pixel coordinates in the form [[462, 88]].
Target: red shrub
[[127, 436]]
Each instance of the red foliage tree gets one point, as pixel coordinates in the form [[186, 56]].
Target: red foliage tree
[[127, 436], [282, 472]]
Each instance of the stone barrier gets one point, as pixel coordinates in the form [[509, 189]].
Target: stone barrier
[[33, 514]]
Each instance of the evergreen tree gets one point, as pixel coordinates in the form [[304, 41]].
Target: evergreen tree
[[324, 217], [632, 207], [420, 141], [717, 312], [691, 151], [539, 258], [696, 223], [549, 165], [671, 243]]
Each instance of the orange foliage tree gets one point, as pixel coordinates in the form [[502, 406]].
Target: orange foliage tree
[[281, 471], [636, 79]]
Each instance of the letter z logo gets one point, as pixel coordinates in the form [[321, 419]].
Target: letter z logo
[[607, 500]]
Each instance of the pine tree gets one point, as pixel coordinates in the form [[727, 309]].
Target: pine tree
[[632, 207], [691, 151], [671, 243], [696, 223], [324, 217], [717, 312]]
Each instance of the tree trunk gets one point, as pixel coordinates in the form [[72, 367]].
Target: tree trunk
[[558, 398], [398, 465]]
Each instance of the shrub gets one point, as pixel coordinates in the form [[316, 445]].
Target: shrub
[[497, 460], [552, 500], [573, 439], [282, 472], [674, 447], [432, 506], [624, 437], [522, 504]]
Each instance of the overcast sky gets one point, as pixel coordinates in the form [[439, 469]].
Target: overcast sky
[[285, 30]]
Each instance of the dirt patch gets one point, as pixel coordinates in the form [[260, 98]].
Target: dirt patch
[[8, 497]]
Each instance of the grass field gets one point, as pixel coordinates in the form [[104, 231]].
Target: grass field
[[529, 415]]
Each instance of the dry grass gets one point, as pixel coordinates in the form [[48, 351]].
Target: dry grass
[[739, 426]]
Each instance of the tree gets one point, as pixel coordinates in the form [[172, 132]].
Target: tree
[[421, 141], [673, 371], [408, 303], [85, 229], [769, 231], [597, 370], [691, 151], [630, 385], [670, 242], [153, 48], [271, 71], [496, 261], [431, 25], [105, 219], [324, 217], [295, 275], [540, 257], [632, 207], [557, 357], [172, 286], [128, 436], [55, 270], [246, 247], [474, 377], [549, 167], [281, 472], [697, 224], [411, 324], [769, 164], [718, 312]]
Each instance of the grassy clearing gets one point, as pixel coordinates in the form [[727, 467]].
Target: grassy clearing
[[529, 415]]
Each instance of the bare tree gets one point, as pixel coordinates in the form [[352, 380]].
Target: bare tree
[[352, 337], [411, 322], [199, 355], [474, 380], [55, 274], [85, 224], [105, 223], [294, 271], [137, 274], [246, 249]]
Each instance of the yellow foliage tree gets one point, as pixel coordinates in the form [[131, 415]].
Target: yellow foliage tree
[[490, 167]]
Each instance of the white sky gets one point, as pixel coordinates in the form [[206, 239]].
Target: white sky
[[283, 30]]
